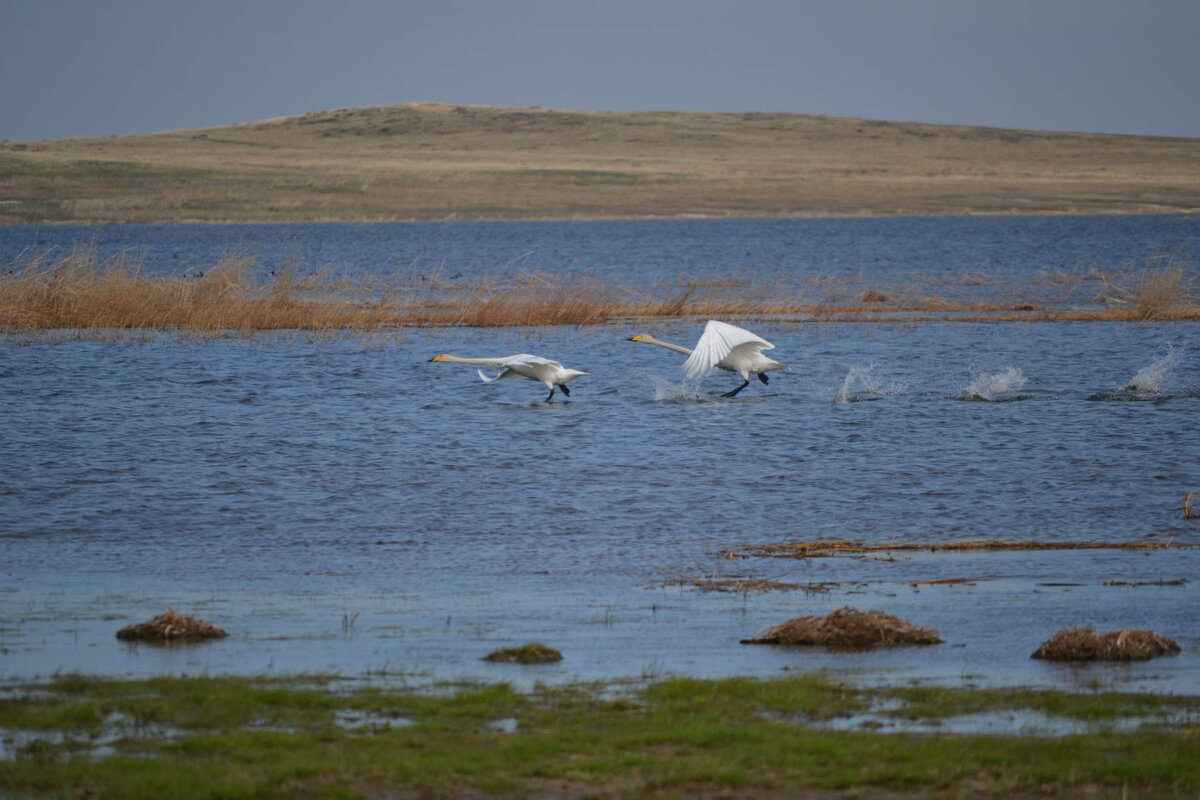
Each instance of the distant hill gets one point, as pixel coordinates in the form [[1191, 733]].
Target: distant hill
[[439, 162]]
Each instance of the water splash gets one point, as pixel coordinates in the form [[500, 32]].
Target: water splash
[[665, 390], [1151, 378], [861, 383], [989, 387]]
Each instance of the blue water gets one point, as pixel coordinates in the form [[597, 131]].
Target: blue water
[[645, 252], [346, 505]]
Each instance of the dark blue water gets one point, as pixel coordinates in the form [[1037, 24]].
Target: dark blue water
[[346, 505], [646, 252]]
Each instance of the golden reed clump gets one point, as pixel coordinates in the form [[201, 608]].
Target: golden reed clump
[[84, 293]]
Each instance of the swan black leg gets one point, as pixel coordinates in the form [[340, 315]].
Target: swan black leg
[[762, 376], [565, 390], [738, 389], [547, 400]]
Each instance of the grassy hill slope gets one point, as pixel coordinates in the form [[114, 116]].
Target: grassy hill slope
[[437, 162]]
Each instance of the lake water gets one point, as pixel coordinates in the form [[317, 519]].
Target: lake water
[[345, 505]]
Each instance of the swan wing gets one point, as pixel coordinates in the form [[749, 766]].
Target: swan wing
[[527, 360], [718, 341], [506, 372]]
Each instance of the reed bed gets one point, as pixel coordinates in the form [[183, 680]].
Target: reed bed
[[89, 294]]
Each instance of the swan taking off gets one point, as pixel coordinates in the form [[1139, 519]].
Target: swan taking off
[[535, 368], [723, 346]]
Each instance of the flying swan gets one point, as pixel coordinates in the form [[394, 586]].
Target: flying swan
[[524, 365], [723, 346]]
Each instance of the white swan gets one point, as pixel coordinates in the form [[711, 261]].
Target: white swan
[[723, 346], [523, 365]]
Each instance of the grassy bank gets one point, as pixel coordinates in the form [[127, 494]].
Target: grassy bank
[[435, 162], [321, 737], [91, 296]]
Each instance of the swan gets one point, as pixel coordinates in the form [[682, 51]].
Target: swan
[[523, 365], [723, 346]]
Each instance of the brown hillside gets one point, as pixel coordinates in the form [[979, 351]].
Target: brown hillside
[[435, 162]]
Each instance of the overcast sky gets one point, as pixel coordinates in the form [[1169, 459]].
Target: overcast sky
[[96, 67]]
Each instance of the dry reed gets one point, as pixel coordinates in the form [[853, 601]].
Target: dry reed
[[171, 626], [1084, 644], [83, 292], [847, 627], [829, 548]]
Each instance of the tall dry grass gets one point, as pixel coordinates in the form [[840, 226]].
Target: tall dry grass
[[83, 292]]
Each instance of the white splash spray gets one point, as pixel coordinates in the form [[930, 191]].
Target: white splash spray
[[1151, 378], [861, 381], [675, 390], [993, 386]]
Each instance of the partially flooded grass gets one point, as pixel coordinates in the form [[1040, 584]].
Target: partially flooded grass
[[91, 295], [831, 548], [737, 737]]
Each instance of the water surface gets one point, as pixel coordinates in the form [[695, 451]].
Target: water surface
[[345, 505]]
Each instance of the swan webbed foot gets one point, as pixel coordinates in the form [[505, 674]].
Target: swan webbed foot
[[565, 390], [762, 376], [734, 392]]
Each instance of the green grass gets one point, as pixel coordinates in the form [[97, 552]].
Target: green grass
[[277, 738]]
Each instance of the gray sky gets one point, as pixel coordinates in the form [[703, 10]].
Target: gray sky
[[96, 67]]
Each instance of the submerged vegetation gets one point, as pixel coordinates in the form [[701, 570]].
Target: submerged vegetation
[[830, 548], [318, 736], [84, 292]]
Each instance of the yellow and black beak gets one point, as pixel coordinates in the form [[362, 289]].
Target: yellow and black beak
[[436, 358], [637, 338]]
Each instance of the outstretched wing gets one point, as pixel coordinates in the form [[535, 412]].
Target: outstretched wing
[[527, 360], [718, 341]]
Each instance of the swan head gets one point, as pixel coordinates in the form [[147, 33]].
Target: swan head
[[438, 357]]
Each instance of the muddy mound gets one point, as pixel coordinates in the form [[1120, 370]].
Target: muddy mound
[[1084, 644], [171, 626], [849, 627], [532, 653]]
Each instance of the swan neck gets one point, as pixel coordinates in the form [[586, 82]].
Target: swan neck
[[458, 360], [676, 347]]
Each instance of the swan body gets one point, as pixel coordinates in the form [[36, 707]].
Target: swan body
[[523, 365], [723, 346]]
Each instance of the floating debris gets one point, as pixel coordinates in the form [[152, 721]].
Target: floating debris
[[1176, 582], [741, 584], [532, 653], [1188, 513], [1084, 644], [171, 626], [937, 581], [829, 548], [848, 627]]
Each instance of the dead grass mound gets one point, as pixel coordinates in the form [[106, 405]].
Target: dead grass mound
[[532, 653], [1084, 644], [848, 627], [171, 626]]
